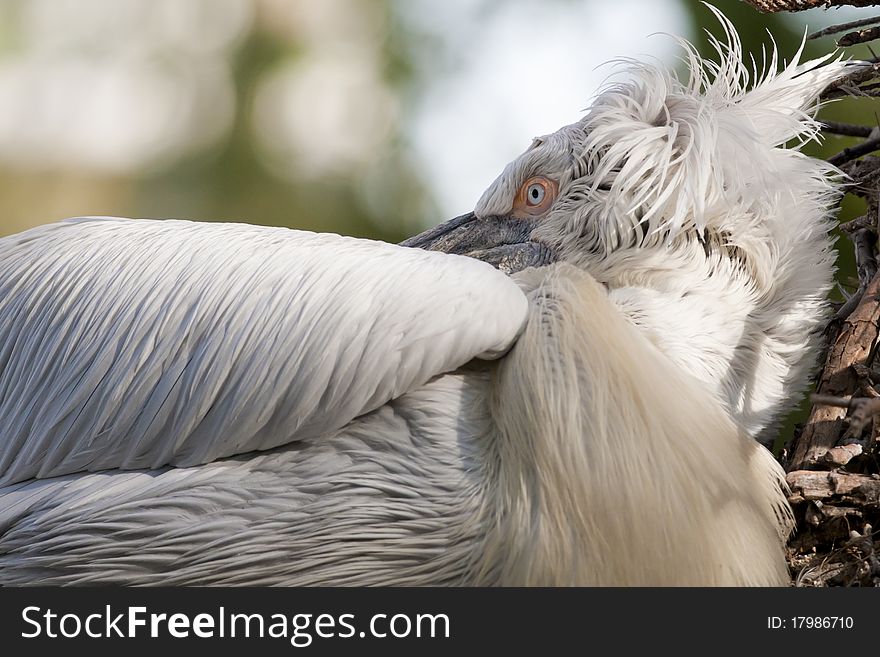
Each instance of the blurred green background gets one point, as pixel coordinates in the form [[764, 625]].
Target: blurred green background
[[366, 117]]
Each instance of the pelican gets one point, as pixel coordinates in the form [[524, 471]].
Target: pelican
[[568, 386]]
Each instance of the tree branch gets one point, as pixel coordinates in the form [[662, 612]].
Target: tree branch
[[853, 152], [770, 6], [859, 36], [847, 129], [843, 27], [853, 345]]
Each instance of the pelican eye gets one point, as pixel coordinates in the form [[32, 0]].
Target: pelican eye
[[535, 196]]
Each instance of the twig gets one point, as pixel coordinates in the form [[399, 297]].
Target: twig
[[846, 129], [843, 27], [862, 409], [868, 91], [863, 239], [864, 90], [866, 384], [850, 82], [843, 312], [854, 152], [857, 224], [874, 211], [865, 174], [769, 6], [861, 36], [831, 400], [866, 261]]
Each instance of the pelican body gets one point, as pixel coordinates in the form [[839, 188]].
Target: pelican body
[[568, 386]]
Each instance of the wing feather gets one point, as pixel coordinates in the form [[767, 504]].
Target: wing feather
[[138, 344]]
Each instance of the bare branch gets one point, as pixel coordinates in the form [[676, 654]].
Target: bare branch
[[860, 36], [843, 27], [770, 6], [854, 344], [854, 152], [846, 129], [813, 485], [857, 224], [863, 409], [864, 241], [848, 84], [831, 400], [865, 175]]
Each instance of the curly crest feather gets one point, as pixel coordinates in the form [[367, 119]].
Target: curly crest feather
[[664, 157], [692, 202]]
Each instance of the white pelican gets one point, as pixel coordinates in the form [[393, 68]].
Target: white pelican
[[187, 403]]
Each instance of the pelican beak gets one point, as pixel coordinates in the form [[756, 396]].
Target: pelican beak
[[503, 242]]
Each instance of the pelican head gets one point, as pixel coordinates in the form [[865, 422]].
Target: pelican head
[[681, 198]]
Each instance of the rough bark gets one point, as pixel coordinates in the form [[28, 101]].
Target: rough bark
[[853, 346], [770, 6], [834, 544], [833, 463]]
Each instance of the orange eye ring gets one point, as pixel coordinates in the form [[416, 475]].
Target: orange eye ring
[[535, 196]]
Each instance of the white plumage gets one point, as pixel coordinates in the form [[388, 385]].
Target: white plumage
[[238, 338], [265, 406]]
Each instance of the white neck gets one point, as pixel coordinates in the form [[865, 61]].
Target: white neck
[[751, 342], [611, 463]]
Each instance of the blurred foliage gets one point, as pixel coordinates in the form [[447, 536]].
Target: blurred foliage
[[230, 183], [229, 180]]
